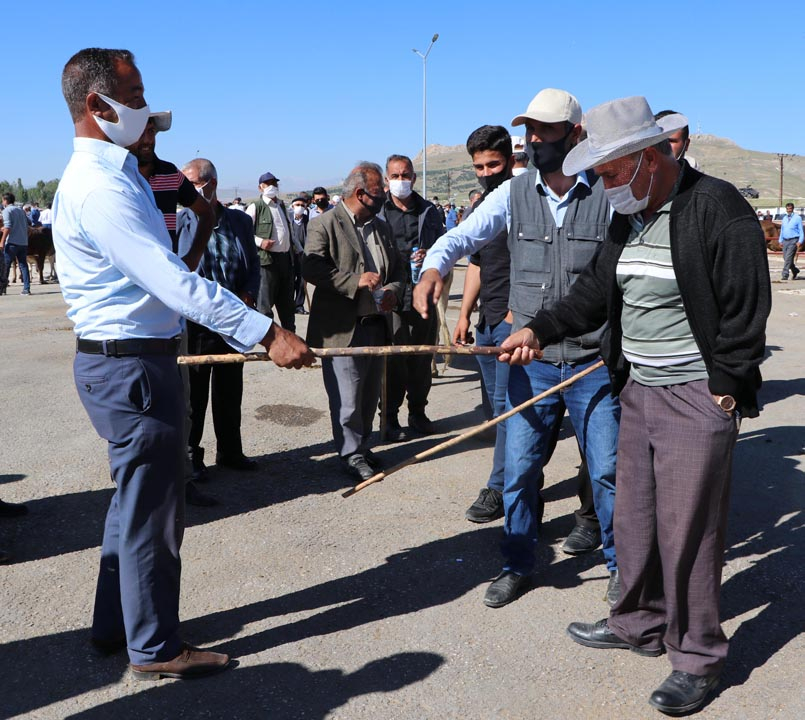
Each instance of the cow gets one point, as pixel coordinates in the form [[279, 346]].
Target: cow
[[40, 246]]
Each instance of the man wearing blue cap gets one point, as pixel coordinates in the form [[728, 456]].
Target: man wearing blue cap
[[272, 235]]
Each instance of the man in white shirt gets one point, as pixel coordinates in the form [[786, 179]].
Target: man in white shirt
[[272, 235]]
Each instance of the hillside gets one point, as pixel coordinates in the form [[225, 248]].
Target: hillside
[[716, 156]]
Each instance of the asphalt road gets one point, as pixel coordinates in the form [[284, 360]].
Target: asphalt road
[[369, 607]]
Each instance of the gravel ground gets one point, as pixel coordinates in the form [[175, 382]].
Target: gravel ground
[[368, 607]]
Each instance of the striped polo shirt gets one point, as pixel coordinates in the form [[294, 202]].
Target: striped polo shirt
[[171, 188], [657, 339]]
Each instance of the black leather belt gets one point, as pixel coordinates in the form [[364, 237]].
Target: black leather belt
[[121, 348]]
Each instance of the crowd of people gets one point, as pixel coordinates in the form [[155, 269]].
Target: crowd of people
[[591, 238]]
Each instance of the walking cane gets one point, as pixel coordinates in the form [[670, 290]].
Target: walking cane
[[472, 432]]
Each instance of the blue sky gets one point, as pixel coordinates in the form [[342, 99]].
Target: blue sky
[[305, 93]]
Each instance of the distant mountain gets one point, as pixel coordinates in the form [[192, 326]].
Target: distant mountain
[[716, 156]]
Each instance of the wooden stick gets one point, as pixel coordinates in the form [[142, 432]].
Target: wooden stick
[[383, 350], [470, 433]]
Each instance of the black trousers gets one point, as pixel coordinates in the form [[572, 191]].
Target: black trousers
[[277, 290], [411, 374], [227, 393]]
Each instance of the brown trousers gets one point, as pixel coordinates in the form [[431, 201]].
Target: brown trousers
[[674, 470]]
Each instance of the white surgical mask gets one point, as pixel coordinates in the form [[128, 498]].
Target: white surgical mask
[[298, 210], [202, 193], [129, 126], [400, 188], [271, 192], [622, 198]]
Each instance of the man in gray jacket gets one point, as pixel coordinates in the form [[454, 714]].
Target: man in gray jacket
[[556, 223]]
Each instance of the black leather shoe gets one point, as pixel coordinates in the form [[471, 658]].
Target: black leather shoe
[[241, 463], [488, 506], [581, 540], [356, 465], [105, 648], [394, 431], [794, 272], [373, 461], [505, 588], [682, 692], [421, 423], [12, 509], [613, 588], [194, 496], [598, 635]]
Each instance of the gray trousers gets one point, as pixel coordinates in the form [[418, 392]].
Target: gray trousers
[[674, 470], [353, 389], [789, 251]]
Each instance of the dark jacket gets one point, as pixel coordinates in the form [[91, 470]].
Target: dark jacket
[[334, 263], [429, 229], [248, 279], [719, 258]]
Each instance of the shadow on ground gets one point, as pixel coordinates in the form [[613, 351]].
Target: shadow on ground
[[278, 691]]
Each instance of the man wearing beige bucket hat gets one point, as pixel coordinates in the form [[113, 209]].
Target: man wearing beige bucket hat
[[683, 281]]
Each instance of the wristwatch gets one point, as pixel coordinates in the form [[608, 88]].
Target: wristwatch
[[725, 402]]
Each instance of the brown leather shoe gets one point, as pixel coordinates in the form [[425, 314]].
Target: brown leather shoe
[[190, 663]]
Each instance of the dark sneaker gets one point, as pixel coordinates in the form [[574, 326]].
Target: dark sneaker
[[488, 506]]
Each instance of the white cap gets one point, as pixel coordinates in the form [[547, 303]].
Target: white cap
[[517, 141], [550, 106], [162, 120]]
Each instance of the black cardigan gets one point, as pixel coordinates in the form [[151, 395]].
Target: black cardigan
[[719, 257]]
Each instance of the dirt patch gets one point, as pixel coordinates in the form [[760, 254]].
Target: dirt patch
[[289, 415]]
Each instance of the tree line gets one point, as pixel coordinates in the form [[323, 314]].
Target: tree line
[[41, 193]]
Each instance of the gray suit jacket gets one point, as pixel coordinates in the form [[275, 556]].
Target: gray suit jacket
[[334, 263]]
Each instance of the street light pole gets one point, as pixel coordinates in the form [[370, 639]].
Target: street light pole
[[425, 113]]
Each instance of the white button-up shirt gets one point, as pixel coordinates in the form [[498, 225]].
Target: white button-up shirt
[[117, 272]]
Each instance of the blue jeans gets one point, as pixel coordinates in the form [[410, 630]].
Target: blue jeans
[[595, 415], [20, 253], [496, 381]]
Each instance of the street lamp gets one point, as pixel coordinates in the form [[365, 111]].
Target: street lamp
[[425, 113]]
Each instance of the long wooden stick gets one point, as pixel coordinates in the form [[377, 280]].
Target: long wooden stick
[[470, 433], [380, 350]]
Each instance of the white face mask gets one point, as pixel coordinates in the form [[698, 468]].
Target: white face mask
[[400, 188], [129, 126], [298, 210], [622, 198], [271, 192], [202, 193]]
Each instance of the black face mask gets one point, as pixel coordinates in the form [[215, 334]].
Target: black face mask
[[322, 203], [548, 157], [490, 182], [375, 204]]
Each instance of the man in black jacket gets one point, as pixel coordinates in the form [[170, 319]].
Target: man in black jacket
[[415, 223], [683, 280]]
